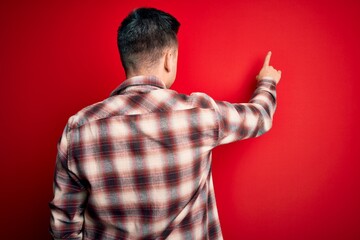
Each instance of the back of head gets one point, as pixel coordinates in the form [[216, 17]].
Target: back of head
[[143, 35]]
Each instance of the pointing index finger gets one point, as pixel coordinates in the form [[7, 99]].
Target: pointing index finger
[[267, 59]]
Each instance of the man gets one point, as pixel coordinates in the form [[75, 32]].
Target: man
[[138, 164]]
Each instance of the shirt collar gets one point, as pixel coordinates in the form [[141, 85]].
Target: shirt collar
[[143, 83]]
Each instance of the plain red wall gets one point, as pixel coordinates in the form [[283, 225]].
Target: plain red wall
[[299, 181]]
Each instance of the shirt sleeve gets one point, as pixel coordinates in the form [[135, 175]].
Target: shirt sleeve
[[237, 121], [246, 120], [69, 200]]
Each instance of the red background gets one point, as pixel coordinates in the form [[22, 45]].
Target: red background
[[299, 181]]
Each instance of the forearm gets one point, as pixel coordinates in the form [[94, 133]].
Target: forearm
[[245, 120], [264, 102]]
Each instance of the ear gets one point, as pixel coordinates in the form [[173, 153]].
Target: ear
[[170, 60], [167, 61]]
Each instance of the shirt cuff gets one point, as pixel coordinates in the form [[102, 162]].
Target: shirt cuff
[[268, 78]]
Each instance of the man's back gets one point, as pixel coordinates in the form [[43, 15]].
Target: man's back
[[139, 163]]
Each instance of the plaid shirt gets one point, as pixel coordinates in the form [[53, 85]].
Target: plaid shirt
[[138, 164]]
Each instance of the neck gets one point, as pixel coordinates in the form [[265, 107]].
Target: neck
[[158, 75]]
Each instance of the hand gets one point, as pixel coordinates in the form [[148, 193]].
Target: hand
[[268, 71]]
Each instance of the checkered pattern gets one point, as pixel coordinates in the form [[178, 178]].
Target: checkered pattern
[[138, 164]]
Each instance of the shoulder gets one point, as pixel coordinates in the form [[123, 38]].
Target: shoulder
[[92, 113], [201, 100]]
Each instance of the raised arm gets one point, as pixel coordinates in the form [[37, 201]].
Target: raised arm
[[245, 120]]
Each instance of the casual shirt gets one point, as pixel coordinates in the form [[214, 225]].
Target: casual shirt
[[138, 164]]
